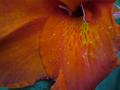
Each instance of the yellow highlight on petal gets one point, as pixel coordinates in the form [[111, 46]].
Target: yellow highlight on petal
[[85, 33]]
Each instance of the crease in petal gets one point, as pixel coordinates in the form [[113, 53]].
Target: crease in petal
[[20, 60]]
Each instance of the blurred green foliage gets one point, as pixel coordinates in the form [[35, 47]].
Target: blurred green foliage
[[118, 2], [118, 21]]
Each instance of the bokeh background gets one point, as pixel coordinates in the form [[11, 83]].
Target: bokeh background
[[112, 82]]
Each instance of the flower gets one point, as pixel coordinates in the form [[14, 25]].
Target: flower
[[39, 40]]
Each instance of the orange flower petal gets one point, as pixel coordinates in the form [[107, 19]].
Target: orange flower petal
[[21, 22], [19, 51], [53, 45], [78, 66], [20, 61], [14, 14]]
